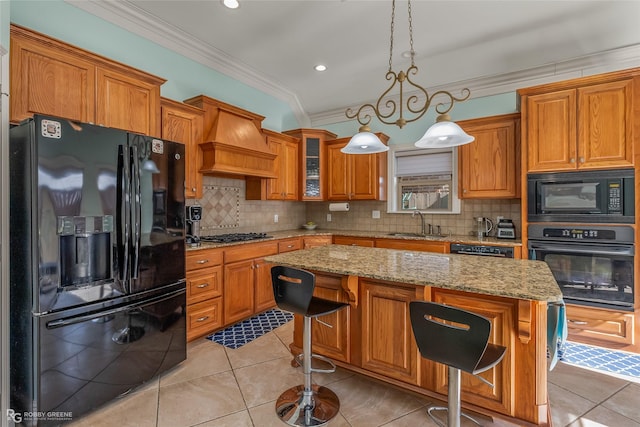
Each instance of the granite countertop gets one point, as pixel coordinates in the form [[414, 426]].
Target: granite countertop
[[283, 234], [511, 278]]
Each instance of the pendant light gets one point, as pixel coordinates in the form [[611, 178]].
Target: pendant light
[[364, 142], [416, 102], [444, 133]]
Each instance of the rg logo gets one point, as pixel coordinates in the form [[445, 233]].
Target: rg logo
[[14, 416]]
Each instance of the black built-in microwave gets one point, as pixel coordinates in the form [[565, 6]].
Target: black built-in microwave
[[592, 197]]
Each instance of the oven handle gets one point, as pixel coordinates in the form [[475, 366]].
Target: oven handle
[[583, 249]]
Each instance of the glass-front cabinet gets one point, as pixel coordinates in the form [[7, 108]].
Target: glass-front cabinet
[[313, 162]]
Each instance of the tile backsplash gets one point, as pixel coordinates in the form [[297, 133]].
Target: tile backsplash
[[225, 210]]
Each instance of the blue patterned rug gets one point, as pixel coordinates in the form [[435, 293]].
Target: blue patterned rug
[[237, 335], [601, 359]]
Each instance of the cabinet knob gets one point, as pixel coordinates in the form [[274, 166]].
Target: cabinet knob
[[578, 322], [193, 189], [203, 285], [581, 159], [202, 319], [464, 191], [572, 160], [202, 261]]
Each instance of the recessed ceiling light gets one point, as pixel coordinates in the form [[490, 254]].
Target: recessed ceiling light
[[320, 67], [231, 4]]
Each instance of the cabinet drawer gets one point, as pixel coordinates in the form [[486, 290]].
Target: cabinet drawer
[[203, 259], [353, 241], [289, 245], [203, 318], [250, 251], [207, 283], [591, 325]]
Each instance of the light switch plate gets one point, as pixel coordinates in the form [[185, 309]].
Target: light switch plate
[[375, 214]]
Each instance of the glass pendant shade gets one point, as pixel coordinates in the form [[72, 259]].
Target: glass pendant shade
[[444, 133], [364, 142]]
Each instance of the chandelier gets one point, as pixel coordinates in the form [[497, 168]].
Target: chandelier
[[415, 100]]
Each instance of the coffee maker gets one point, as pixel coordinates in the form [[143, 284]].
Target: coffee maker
[[194, 216]]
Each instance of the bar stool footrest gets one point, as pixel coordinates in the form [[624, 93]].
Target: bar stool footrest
[[324, 359]]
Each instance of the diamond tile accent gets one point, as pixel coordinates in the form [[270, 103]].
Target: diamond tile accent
[[601, 359], [220, 208], [237, 335]]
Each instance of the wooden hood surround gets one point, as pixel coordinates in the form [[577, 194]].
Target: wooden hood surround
[[233, 141]]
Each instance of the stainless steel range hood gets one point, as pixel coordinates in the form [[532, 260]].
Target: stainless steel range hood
[[233, 141]]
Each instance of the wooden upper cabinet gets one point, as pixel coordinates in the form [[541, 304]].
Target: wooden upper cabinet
[[183, 123], [355, 176], [127, 102], [605, 125], [312, 162], [54, 78], [588, 126], [285, 185], [489, 167], [46, 80]]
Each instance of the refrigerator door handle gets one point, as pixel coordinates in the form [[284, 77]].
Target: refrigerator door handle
[[136, 212], [122, 215], [60, 323]]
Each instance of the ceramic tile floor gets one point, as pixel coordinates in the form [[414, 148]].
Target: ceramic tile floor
[[221, 387]]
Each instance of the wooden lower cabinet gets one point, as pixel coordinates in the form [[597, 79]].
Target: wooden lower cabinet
[[331, 341], [374, 337], [597, 326], [204, 292], [315, 241], [247, 280], [353, 241], [414, 245], [500, 312], [388, 346]]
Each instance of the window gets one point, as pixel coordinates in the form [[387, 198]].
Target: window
[[424, 180]]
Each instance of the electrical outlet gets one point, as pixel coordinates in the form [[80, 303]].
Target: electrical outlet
[[328, 217], [375, 214], [275, 218], [499, 218]]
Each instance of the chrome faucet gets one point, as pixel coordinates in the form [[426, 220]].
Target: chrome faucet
[[422, 226]]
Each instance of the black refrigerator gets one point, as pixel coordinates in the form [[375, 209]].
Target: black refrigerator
[[97, 266]]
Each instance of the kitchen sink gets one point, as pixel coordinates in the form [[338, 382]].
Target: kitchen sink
[[407, 235]]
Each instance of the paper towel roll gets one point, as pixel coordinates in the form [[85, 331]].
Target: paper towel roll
[[339, 207]]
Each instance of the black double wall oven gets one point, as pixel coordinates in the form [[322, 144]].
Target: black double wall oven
[[578, 225]]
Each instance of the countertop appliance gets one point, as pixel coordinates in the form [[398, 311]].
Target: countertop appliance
[[194, 216], [97, 276], [505, 229], [482, 250], [603, 196], [593, 264], [234, 237]]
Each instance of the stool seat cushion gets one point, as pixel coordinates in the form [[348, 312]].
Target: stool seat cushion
[[321, 307], [293, 292]]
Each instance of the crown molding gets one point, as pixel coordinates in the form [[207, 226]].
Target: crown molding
[[135, 20], [602, 62]]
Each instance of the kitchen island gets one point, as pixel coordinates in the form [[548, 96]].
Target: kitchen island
[[373, 335]]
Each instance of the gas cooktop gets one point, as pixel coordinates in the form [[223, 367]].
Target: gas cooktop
[[233, 237]]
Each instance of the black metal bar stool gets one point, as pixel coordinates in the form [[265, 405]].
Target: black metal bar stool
[[306, 404], [462, 344]]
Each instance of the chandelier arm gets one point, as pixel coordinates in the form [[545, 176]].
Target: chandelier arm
[[363, 119], [452, 100]]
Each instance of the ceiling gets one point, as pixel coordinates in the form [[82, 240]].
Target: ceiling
[[274, 45]]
